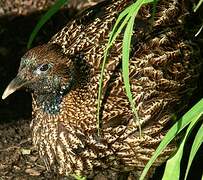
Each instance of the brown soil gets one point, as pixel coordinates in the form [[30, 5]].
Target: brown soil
[[18, 159]]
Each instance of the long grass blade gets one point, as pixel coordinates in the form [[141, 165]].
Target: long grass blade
[[127, 13], [195, 146], [125, 57], [125, 16], [198, 5], [116, 31], [125, 66], [199, 31], [195, 111], [172, 168], [44, 19], [110, 43]]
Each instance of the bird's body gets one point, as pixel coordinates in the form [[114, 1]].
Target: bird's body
[[163, 70]]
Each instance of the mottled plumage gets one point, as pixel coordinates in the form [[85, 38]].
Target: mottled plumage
[[63, 78]]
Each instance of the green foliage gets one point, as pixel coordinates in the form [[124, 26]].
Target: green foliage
[[173, 164], [54, 9], [78, 177], [125, 20], [195, 147], [198, 5], [190, 118]]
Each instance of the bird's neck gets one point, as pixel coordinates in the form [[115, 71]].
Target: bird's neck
[[50, 103]]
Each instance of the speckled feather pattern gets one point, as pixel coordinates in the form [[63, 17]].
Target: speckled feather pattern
[[164, 66]]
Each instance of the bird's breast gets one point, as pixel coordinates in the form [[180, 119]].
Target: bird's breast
[[69, 140]]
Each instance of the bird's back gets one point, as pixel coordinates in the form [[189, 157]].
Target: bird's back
[[164, 67]]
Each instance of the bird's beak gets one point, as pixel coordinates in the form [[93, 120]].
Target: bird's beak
[[14, 85]]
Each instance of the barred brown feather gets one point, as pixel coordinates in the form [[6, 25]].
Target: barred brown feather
[[164, 67]]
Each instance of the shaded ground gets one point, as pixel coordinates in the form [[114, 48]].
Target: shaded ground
[[18, 159]]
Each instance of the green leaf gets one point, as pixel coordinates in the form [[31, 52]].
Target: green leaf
[[118, 28], [44, 19], [198, 5], [195, 112], [172, 168], [125, 55], [199, 31], [113, 35], [154, 9], [78, 177], [110, 42], [124, 17], [125, 65], [195, 146], [127, 13]]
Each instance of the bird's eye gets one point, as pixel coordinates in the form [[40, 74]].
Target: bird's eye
[[44, 67]]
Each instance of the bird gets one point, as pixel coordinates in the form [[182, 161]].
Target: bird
[[63, 78]]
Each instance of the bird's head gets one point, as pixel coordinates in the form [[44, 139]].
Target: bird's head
[[43, 70]]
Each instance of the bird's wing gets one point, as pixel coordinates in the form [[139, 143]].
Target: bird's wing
[[90, 28]]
